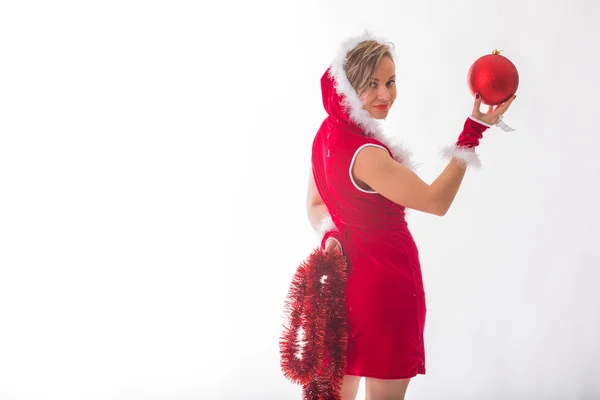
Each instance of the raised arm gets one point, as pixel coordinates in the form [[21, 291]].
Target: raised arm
[[394, 181], [374, 167]]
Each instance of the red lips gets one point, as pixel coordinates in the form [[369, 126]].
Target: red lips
[[382, 107]]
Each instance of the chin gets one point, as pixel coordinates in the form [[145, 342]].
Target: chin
[[378, 114]]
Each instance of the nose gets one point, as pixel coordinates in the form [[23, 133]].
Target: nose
[[383, 94]]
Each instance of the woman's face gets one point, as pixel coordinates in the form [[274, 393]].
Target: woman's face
[[381, 93]]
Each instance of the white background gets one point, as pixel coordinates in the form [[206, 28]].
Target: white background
[[153, 168]]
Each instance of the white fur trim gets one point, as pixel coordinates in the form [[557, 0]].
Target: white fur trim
[[354, 105], [325, 226], [468, 157], [401, 153]]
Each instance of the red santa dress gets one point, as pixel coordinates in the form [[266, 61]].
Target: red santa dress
[[385, 298]]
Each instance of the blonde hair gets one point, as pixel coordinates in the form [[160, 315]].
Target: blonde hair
[[362, 61]]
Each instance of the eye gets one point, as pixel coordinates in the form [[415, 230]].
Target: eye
[[390, 83], [372, 84]]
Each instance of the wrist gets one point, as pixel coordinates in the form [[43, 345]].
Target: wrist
[[465, 155], [464, 148], [480, 122]]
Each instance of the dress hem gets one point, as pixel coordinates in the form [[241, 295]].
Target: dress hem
[[386, 377]]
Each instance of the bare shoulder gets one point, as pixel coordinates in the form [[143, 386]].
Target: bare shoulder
[[371, 161]]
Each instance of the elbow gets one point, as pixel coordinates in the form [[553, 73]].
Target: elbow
[[431, 208], [438, 212], [441, 213], [310, 212], [440, 209], [315, 212]]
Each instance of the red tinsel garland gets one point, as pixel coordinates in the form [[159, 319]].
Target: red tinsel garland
[[316, 307]]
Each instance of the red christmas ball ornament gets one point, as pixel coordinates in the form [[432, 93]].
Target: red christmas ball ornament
[[494, 77]]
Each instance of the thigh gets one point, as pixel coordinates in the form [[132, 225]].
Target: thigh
[[386, 389], [350, 387]]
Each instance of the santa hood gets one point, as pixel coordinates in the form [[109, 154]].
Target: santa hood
[[345, 107]]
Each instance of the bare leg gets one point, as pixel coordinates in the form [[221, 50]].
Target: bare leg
[[386, 389], [350, 387]]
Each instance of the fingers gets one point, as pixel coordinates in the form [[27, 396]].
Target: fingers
[[332, 246], [477, 104], [494, 113], [335, 249], [501, 109]]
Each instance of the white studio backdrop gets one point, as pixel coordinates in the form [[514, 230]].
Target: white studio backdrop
[[153, 167]]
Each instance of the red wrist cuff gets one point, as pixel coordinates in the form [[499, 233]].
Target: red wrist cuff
[[472, 133], [464, 149]]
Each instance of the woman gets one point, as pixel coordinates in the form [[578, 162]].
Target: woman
[[359, 187]]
